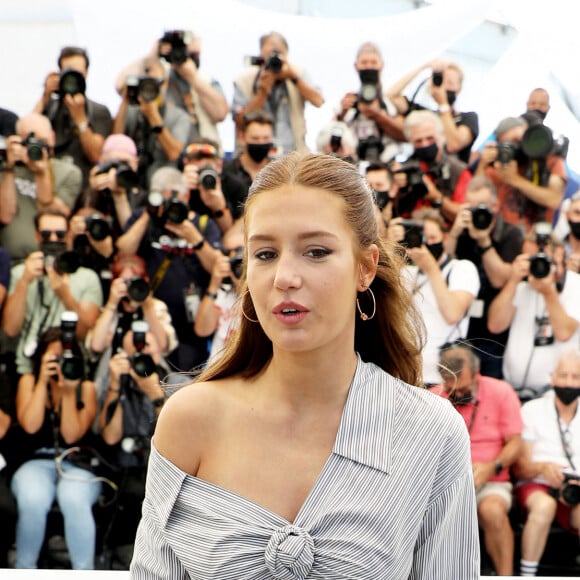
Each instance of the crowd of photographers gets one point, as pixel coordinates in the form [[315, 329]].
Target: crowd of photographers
[[121, 249]]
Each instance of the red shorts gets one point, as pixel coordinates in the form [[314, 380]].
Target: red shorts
[[562, 513]]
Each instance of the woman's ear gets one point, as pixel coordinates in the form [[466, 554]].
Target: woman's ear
[[368, 266]]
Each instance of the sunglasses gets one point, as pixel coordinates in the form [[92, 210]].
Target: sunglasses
[[45, 234], [199, 150]]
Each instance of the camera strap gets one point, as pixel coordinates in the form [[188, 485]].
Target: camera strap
[[563, 439]]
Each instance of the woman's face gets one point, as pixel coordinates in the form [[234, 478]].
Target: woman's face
[[302, 272]]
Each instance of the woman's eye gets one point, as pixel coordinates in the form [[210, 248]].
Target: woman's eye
[[265, 255], [318, 253]]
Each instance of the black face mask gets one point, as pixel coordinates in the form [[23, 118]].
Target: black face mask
[[436, 249], [574, 229], [567, 395], [194, 56], [369, 76], [539, 113], [464, 399], [382, 198], [427, 154], [451, 97], [258, 151]]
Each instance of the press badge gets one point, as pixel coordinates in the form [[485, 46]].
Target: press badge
[[191, 300], [476, 309], [544, 334]]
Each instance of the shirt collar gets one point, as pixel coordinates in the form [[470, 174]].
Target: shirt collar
[[365, 430]]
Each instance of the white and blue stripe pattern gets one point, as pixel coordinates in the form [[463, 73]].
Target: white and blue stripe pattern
[[395, 500]]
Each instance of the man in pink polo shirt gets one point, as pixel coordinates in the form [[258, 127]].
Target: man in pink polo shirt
[[491, 411]]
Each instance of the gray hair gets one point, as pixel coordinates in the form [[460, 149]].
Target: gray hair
[[417, 118], [168, 178]]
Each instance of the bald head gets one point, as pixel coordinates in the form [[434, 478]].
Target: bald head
[[37, 124]]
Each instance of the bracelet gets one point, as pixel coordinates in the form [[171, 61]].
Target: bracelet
[[82, 127], [199, 245], [485, 249], [437, 204], [212, 295], [444, 108]]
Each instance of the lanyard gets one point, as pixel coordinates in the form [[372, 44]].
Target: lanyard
[[565, 446]]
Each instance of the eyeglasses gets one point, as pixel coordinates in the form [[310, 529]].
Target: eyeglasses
[[45, 234], [199, 150]]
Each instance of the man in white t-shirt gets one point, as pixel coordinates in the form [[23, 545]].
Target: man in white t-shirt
[[539, 303], [443, 288]]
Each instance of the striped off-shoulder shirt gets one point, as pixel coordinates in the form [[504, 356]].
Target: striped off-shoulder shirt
[[395, 500]]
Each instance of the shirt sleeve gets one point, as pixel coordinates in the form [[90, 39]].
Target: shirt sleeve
[[461, 186]]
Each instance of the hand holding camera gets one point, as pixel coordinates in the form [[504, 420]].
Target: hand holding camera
[[33, 266], [50, 369]]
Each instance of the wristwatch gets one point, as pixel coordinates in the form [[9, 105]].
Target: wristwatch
[[437, 204], [158, 402], [498, 467], [157, 129], [219, 213]]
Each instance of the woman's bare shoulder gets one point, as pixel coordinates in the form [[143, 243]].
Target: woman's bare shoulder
[[190, 418]]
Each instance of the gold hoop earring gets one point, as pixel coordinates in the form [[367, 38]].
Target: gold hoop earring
[[242, 308], [362, 314]]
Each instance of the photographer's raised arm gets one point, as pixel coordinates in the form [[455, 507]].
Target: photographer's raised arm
[[91, 141], [8, 198], [75, 421], [502, 311], [129, 242], [563, 325]]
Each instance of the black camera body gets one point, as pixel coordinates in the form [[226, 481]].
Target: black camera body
[[174, 210], [34, 147], [71, 82], [124, 174], [369, 89], [481, 216], [236, 264], [507, 151], [437, 78], [536, 144], [272, 62], [414, 236], [61, 259], [71, 364], [568, 492], [98, 227], [143, 364], [138, 288], [370, 149], [541, 263], [178, 39], [145, 87]]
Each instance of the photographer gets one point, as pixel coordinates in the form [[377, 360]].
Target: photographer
[[115, 177], [568, 230], [480, 235], [529, 189], [80, 124], [443, 288], [47, 283], [132, 402], [431, 177], [491, 411], [55, 406], [335, 138], [380, 178], [444, 85], [32, 180], [546, 470], [130, 299], [179, 248], [202, 167], [160, 131], [257, 141], [539, 304], [282, 89], [373, 119], [216, 315]]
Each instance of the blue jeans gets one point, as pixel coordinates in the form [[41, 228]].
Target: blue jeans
[[35, 485]]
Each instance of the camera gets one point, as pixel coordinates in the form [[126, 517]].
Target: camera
[[437, 78], [145, 87], [537, 143], [138, 288], [208, 177], [143, 364], [57, 256], [71, 82], [413, 237], [71, 364], [273, 62], [568, 492], [3, 150], [336, 139], [507, 152], [34, 147], [236, 264], [369, 90], [124, 174], [370, 149], [98, 227], [541, 263], [178, 39], [481, 216], [174, 211]]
